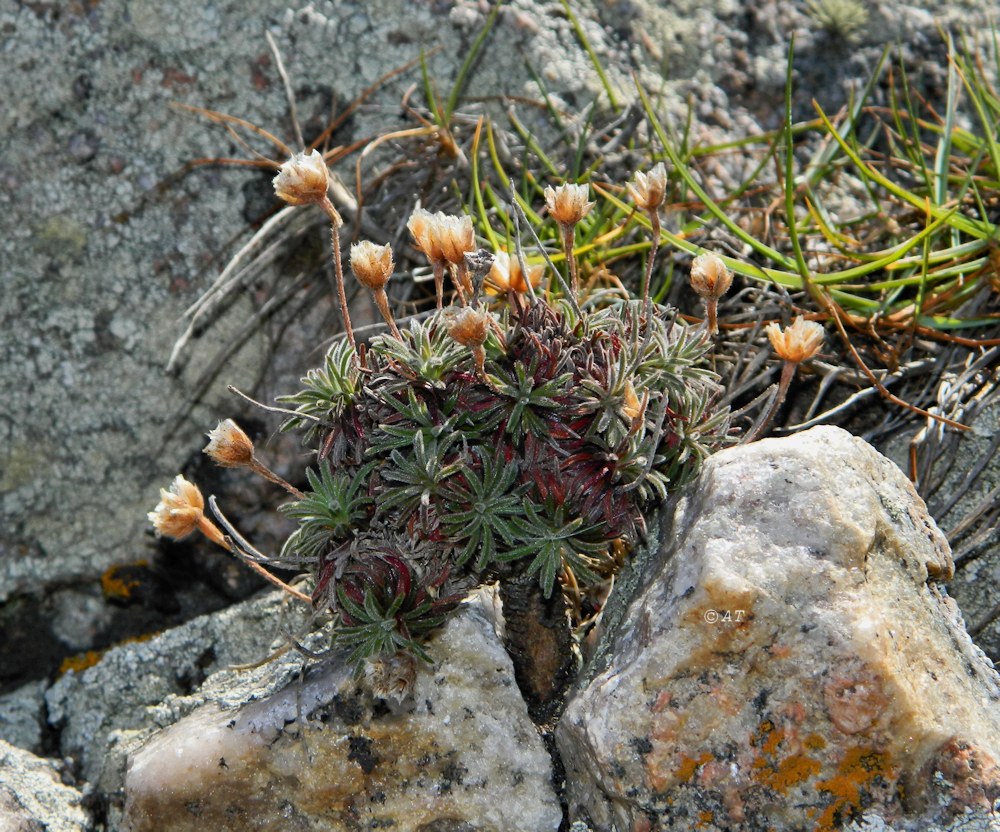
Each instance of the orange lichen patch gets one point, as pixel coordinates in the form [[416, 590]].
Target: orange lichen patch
[[814, 742], [790, 772], [705, 819], [856, 773], [81, 661], [119, 581], [689, 765]]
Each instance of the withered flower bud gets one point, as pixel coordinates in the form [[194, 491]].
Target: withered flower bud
[[470, 327], [567, 203], [229, 446], [648, 189], [392, 677], [799, 342], [457, 237], [632, 406], [709, 276], [506, 275], [303, 179], [181, 510], [372, 264], [423, 227]]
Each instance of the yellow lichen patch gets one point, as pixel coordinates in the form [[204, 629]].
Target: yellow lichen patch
[[855, 773], [117, 586], [705, 819], [780, 773]]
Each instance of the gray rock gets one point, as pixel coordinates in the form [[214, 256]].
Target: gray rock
[[963, 486], [790, 659], [102, 251], [33, 797], [94, 709], [22, 715], [460, 753]]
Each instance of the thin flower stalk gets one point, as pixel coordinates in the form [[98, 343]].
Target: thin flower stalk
[[305, 180], [230, 447], [794, 344], [567, 205], [648, 192]]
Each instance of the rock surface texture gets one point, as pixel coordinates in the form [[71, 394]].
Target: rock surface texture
[[790, 662], [460, 754], [33, 797]]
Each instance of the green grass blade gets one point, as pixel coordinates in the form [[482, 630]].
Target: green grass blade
[[470, 59], [585, 43], [713, 208], [789, 145], [973, 228]]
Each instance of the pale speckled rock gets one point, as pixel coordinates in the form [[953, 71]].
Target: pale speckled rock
[[791, 661], [33, 798], [139, 686], [461, 754]]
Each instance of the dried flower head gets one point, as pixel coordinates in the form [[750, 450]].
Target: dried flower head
[[632, 406], [303, 179], [179, 510], [229, 446], [420, 224], [709, 276], [442, 237], [457, 237], [392, 677], [470, 327], [648, 189], [568, 204], [799, 342], [372, 264], [506, 275]]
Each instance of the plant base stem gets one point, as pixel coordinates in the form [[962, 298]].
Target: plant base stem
[[539, 641]]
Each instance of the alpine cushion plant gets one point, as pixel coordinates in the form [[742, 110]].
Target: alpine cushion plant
[[520, 442], [442, 470]]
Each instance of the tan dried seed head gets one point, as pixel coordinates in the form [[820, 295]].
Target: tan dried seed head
[[179, 511], [506, 275], [709, 276], [229, 446], [648, 189], [568, 204], [420, 227], [470, 327], [457, 237], [799, 342], [303, 179], [372, 264]]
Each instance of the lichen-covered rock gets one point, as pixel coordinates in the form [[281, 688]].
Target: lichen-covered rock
[[33, 798], [791, 662], [460, 754], [143, 685]]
